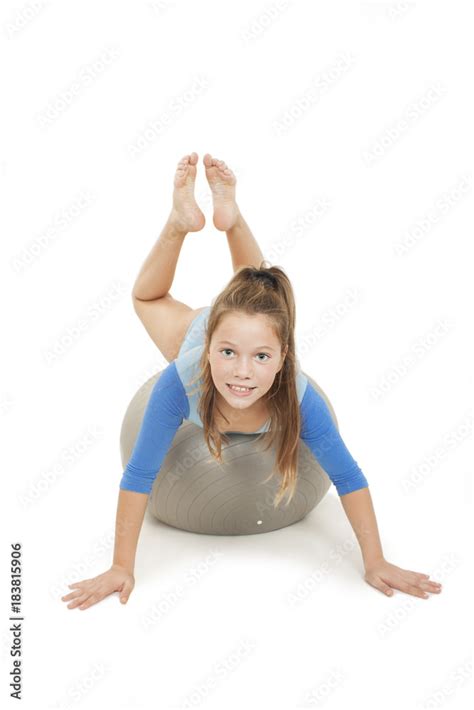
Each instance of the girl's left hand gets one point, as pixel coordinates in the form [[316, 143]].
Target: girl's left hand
[[383, 575]]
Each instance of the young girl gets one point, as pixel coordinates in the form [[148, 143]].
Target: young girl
[[253, 317]]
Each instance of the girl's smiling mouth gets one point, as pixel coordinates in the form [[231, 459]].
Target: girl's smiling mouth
[[244, 392]]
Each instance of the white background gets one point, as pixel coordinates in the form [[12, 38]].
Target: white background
[[348, 127]]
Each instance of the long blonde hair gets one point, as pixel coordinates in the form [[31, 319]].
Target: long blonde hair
[[265, 291]]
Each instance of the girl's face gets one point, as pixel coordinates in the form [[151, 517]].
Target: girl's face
[[244, 350]]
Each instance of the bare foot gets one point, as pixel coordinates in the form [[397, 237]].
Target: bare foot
[[222, 182], [185, 213]]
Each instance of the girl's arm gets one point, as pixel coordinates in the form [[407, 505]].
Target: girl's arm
[[163, 415], [378, 572], [165, 410], [119, 578], [360, 512], [325, 441], [130, 513]]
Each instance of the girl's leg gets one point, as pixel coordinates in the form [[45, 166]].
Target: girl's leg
[[243, 246], [165, 319], [157, 273]]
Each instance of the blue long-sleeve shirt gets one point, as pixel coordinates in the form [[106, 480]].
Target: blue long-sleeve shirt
[[169, 404]]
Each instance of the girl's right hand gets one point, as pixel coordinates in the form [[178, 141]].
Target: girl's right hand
[[90, 591]]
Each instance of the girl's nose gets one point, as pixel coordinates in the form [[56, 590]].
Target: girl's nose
[[243, 369]]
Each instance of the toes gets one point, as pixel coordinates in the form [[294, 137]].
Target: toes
[[209, 161], [183, 165], [193, 158], [221, 165]]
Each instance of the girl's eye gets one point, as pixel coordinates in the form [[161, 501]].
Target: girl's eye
[[227, 350]]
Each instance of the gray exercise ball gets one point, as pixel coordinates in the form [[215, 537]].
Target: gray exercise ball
[[192, 491]]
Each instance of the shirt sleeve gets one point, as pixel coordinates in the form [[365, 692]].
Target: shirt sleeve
[[320, 434], [167, 406]]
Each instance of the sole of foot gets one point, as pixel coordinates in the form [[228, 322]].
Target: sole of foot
[[185, 213], [222, 182]]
